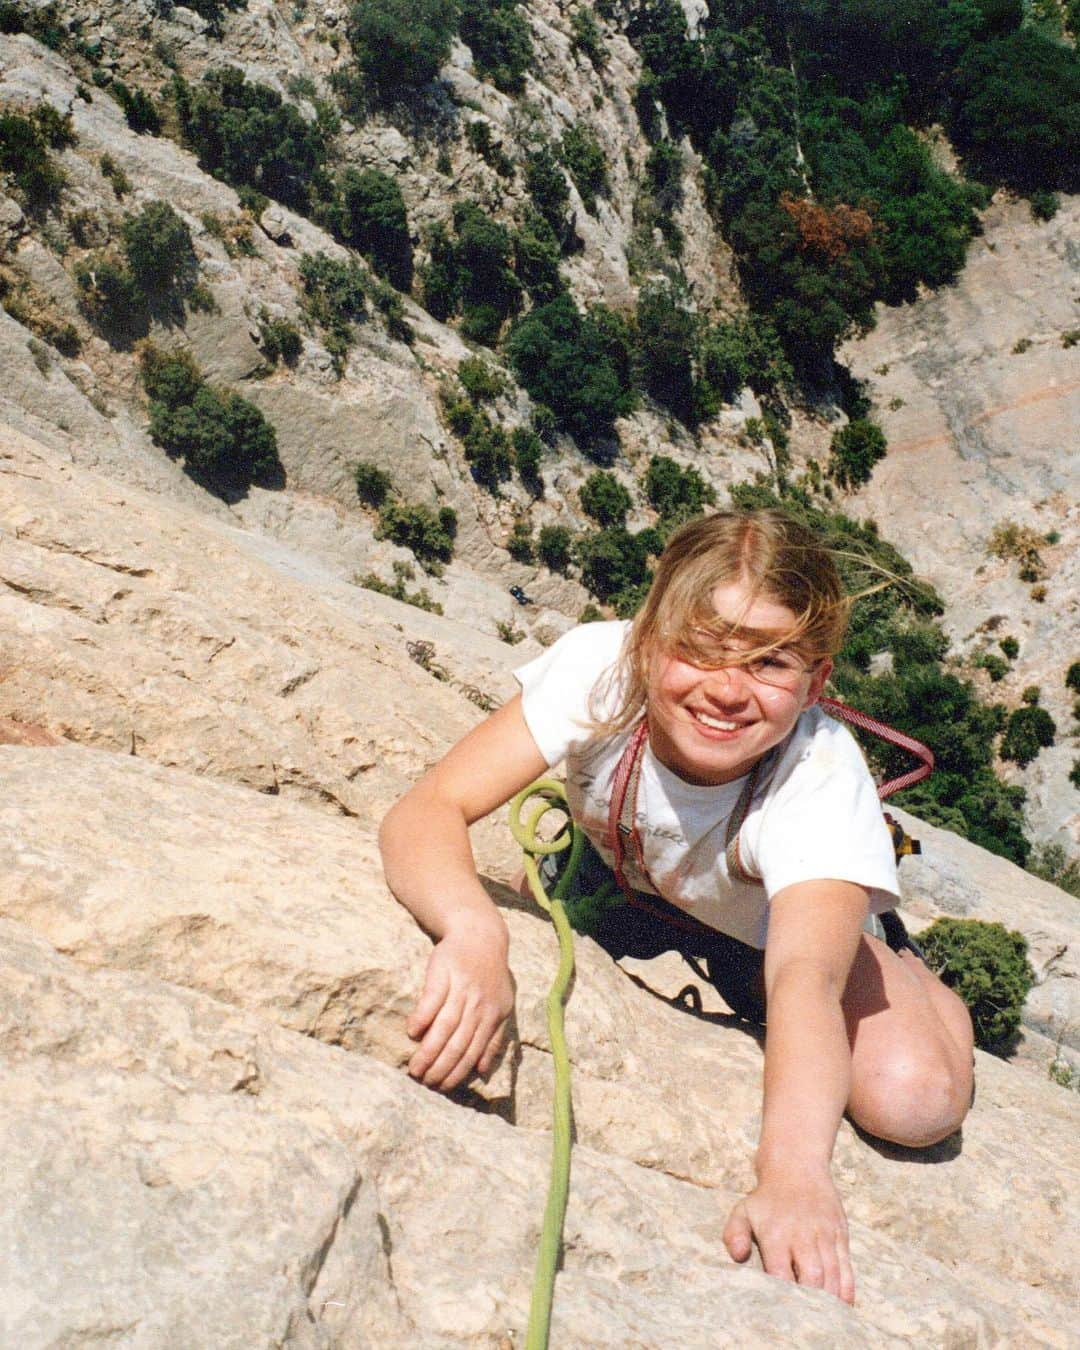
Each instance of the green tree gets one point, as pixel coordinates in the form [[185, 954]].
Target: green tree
[[138, 108], [157, 246], [400, 45], [369, 215], [614, 565], [428, 533], [224, 440], [584, 157], [987, 965], [561, 358], [555, 547], [605, 499], [497, 34], [25, 143], [853, 452], [546, 185], [1028, 730], [676, 493], [1017, 111], [372, 483], [667, 342], [246, 134]]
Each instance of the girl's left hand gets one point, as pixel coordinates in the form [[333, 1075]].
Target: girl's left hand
[[798, 1224]]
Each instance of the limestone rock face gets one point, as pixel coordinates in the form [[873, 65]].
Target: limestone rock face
[[978, 387], [166, 942], [208, 1134]]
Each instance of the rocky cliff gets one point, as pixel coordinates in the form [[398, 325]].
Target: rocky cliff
[[209, 1138], [209, 1135]]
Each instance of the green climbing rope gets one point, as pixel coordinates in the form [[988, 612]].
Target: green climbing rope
[[551, 795]]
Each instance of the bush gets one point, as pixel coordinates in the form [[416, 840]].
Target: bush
[[1053, 864], [584, 156], [1020, 542], [471, 273], [138, 108], [110, 299], [1044, 205], [667, 342], [224, 440], [562, 358], [114, 175], [369, 215], [528, 451], [1027, 731], [614, 565], [554, 547], [398, 590], [987, 965], [335, 298], [1072, 677], [585, 36], [479, 138], [488, 453], [605, 499], [546, 185], [246, 135], [481, 382], [520, 544], [1017, 111], [1010, 648], [995, 666], [280, 340], [25, 143], [372, 483], [400, 45], [853, 452], [497, 33], [158, 248], [430, 534], [676, 494]]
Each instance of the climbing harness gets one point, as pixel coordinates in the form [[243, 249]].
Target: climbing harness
[[549, 794], [622, 828]]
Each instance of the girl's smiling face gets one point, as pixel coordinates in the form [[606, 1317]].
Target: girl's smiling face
[[710, 724]]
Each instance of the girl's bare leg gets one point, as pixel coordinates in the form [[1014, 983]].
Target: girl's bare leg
[[911, 1048]]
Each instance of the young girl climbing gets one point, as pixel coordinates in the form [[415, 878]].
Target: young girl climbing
[[756, 841]]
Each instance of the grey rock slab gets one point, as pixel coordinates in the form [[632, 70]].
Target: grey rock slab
[[266, 905], [181, 1174]]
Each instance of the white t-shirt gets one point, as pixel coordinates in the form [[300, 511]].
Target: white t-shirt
[[817, 817]]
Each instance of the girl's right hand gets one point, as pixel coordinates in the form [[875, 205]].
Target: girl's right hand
[[462, 1012]]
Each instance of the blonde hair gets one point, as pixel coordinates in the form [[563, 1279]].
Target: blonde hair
[[774, 556]]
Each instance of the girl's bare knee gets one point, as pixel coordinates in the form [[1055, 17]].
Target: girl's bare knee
[[915, 1101]]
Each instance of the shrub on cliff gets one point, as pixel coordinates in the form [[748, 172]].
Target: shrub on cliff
[[224, 440], [1017, 111], [369, 215], [157, 246], [561, 357], [25, 143], [245, 134], [987, 965], [605, 499], [1028, 730], [853, 452], [399, 45], [429, 533], [497, 33], [675, 493], [584, 157]]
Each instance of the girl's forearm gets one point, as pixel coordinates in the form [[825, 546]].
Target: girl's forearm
[[429, 866], [807, 1071]]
